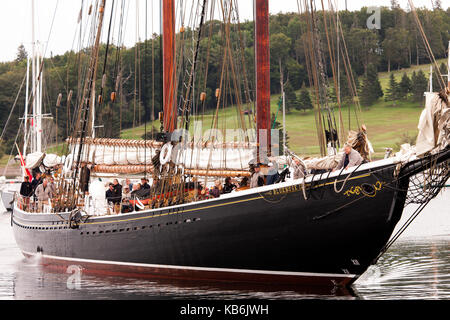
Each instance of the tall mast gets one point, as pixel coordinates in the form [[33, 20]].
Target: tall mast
[[25, 126], [262, 61], [87, 103], [168, 34], [33, 82], [39, 75], [36, 130]]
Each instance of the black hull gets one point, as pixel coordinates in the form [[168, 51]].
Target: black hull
[[274, 235]]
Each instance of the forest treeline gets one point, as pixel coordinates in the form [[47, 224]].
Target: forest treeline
[[134, 74]]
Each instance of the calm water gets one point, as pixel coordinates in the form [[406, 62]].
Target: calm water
[[416, 267]]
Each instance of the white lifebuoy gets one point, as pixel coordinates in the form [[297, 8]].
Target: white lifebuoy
[[139, 204], [68, 163], [166, 153]]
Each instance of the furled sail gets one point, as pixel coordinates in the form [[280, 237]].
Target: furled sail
[[135, 156], [434, 124]]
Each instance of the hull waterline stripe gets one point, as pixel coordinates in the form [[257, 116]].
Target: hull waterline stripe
[[162, 266]]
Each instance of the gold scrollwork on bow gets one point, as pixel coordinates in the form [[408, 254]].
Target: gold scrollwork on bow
[[360, 190]]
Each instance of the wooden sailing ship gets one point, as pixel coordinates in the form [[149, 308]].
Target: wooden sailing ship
[[323, 229]]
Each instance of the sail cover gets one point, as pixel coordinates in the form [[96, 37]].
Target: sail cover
[[119, 152], [434, 125]]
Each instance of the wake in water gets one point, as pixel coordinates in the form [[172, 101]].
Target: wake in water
[[410, 269]]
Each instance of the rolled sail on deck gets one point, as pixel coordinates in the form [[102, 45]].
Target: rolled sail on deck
[[135, 156]]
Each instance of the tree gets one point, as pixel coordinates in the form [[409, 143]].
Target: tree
[[304, 100], [363, 46], [280, 45], [21, 53], [437, 5], [345, 87], [371, 88], [404, 87], [437, 83], [393, 89], [419, 85], [395, 47], [291, 98]]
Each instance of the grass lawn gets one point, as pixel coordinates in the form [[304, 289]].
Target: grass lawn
[[384, 76], [386, 123]]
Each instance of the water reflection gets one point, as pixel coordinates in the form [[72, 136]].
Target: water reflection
[[409, 270], [45, 284]]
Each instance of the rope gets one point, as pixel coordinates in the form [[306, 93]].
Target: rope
[[346, 179]]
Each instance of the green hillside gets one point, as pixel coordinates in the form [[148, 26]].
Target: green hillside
[[387, 123]]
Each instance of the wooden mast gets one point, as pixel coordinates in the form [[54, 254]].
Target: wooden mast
[[262, 61], [168, 34]]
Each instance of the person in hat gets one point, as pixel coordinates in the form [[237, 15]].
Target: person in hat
[[126, 197], [126, 193], [144, 183], [257, 179], [273, 174]]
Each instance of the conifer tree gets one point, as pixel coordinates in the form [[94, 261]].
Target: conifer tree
[[21, 53], [304, 100], [371, 88], [404, 87], [437, 84], [419, 85], [291, 98], [392, 91]]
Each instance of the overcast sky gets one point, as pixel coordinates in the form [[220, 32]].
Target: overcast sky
[[15, 20]]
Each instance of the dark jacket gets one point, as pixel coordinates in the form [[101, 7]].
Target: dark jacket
[[118, 189], [227, 188], [35, 183], [141, 193], [111, 196], [26, 189]]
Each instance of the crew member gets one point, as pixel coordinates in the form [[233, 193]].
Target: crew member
[[228, 187], [257, 179], [350, 158], [144, 183], [216, 190], [26, 190], [299, 170], [43, 194], [272, 175], [111, 195]]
